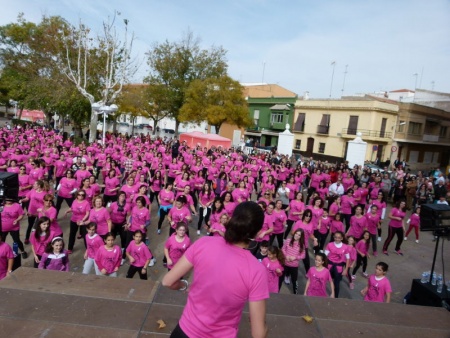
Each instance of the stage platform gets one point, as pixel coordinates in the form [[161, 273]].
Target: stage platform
[[37, 303]]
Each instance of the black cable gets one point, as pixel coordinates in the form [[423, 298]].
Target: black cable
[[444, 286]]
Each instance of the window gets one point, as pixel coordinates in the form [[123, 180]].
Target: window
[[414, 128], [401, 127], [324, 125], [300, 122], [298, 143], [443, 132], [256, 117], [321, 148], [277, 118], [352, 125]]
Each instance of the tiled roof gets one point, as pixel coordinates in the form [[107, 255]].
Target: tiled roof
[[267, 91]]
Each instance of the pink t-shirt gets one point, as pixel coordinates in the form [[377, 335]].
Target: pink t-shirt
[[6, 254], [372, 222], [176, 249], [272, 274], [179, 215], [295, 206], [166, 197], [92, 245], [110, 185], [237, 276], [40, 243], [51, 214], [279, 218], [139, 218], [318, 282], [101, 217], [108, 259], [117, 216], [9, 215], [337, 254], [396, 213], [294, 251], [362, 247], [217, 226], [268, 224], [377, 289], [79, 210], [357, 226], [66, 186], [336, 226], [140, 253], [36, 201]]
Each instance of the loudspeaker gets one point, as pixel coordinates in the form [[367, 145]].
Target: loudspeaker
[[434, 217], [426, 294], [9, 186]]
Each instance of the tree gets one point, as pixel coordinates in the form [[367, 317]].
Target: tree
[[175, 65], [216, 100], [99, 66]]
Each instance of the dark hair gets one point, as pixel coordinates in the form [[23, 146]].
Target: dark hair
[[324, 258], [213, 206], [245, 223], [307, 212], [368, 240], [301, 241], [384, 266], [49, 247], [397, 205], [92, 225], [108, 234], [264, 244], [37, 227], [139, 232], [274, 250], [317, 199], [181, 224], [227, 193], [181, 199]]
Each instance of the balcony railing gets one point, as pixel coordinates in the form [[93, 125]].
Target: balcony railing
[[323, 129], [430, 138], [367, 133]]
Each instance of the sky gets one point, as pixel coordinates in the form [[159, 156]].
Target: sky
[[324, 47]]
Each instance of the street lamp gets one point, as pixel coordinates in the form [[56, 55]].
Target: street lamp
[[105, 110], [14, 103]]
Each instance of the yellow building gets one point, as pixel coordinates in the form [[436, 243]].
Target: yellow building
[[322, 128], [422, 136]]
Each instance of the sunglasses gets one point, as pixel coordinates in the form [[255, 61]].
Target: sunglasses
[[22, 168], [81, 195]]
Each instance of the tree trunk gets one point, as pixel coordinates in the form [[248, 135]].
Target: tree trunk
[[93, 126]]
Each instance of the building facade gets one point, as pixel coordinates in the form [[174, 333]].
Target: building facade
[[322, 128]]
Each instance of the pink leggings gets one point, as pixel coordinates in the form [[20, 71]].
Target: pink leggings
[[416, 230]]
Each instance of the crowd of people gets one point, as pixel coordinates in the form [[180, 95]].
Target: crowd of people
[[333, 213]]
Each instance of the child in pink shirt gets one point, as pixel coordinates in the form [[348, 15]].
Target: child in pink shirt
[[218, 229], [139, 256], [93, 243], [108, 257], [318, 276], [40, 238], [362, 249], [176, 245], [378, 287], [6, 259], [414, 223], [351, 250], [274, 265]]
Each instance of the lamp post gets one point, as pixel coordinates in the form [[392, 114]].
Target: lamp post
[[105, 110]]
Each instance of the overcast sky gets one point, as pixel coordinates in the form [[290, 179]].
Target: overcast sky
[[289, 42]]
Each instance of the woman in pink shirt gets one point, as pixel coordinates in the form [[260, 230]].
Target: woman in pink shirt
[[80, 210], [100, 215], [274, 265], [295, 209], [206, 198], [362, 250], [179, 213], [36, 198], [48, 210], [358, 224], [156, 184], [166, 198], [112, 185], [338, 257], [279, 224], [11, 216], [65, 190], [24, 185], [347, 205], [119, 212], [396, 227], [237, 279], [294, 250]]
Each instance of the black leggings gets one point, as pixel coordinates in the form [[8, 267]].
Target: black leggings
[[336, 276], [346, 220], [280, 239], [392, 232], [178, 333], [289, 223], [292, 272], [16, 238], [162, 215], [31, 220], [59, 201], [373, 238], [306, 262], [321, 238], [133, 269], [360, 260], [73, 233], [200, 217], [154, 194], [118, 229]]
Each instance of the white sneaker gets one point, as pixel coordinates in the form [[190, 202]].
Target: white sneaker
[[152, 262], [379, 239], [287, 280], [417, 241], [198, 232], [405, 239], [122, 262], [159, 231]]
